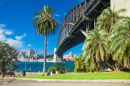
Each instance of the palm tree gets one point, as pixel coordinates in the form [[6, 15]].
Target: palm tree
[[120, 45], [97, 47], [108, 18], [45, 23]]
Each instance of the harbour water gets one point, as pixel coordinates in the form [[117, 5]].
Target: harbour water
[[38, 66]]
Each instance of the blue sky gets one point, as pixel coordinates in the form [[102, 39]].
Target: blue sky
[[16, 24]]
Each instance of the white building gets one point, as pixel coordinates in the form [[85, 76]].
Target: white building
[[70, 54], [30, 52]]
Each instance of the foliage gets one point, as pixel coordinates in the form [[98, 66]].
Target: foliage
[[120, 45], [96, 46], [55, 68], [96, 49], [46, 24], [79, 63], [126, 69], [108, 18], [110, 42], [45, 21], [7, 55]]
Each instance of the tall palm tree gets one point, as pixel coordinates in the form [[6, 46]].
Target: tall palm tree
[[120, 45], [46, 24], [108, 18], [97, 47]]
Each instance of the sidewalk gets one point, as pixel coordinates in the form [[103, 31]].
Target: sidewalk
[[60, 80]]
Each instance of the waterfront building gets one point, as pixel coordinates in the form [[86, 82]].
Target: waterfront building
[[70, 54], [31, 52]]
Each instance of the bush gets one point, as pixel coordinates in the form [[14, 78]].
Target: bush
[[55, 68], [126, 69]]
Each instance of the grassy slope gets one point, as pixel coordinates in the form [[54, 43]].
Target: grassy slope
[[80, 76]]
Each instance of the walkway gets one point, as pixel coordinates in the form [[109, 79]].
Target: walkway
[[12, 82]]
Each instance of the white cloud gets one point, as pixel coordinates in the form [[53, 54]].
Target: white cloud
[[29, 45], [20, 37], [24, 34], [47, 42], [8, 32], [2, 36], [2, 25], [41, 52], [15, 43]]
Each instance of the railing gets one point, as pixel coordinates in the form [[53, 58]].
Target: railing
[[72, 17]]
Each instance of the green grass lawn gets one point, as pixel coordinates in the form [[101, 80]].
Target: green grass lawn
[[81, 76]]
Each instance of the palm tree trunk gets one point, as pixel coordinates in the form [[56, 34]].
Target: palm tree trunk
[[45, 43], [110, 66], [125, 62]]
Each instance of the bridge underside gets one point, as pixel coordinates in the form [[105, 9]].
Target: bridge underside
[[86, 23]]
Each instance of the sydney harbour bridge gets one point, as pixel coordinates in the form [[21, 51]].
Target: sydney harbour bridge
[[79, 20]]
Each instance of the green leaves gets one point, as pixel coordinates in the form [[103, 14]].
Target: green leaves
[[45, 21], [7, 54], [121, 40], [111, 38], [108, 18]]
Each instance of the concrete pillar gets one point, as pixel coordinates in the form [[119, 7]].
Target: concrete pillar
[[84, 32], [55, 55], [119, 4], [94, 23], [60, 57]]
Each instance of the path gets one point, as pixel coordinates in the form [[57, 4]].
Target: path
[[13, 82]]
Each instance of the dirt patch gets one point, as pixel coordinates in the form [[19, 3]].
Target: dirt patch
[[117, 71]]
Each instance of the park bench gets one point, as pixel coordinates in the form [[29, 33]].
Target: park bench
[[81, 70], [9, 73]]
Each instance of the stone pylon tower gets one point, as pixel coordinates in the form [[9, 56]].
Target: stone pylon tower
[[55, 59], [119, 4]]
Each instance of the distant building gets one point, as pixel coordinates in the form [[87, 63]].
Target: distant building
[[31, 52], [70, 54], [66, 57]]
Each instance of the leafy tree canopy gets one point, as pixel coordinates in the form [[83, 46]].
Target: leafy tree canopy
[[8, 54]]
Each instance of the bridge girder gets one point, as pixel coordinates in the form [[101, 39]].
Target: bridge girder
[[82, 16]]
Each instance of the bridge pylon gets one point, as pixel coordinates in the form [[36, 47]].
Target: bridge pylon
[[57, 57]]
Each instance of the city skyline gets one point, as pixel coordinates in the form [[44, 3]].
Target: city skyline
[[17, 30]]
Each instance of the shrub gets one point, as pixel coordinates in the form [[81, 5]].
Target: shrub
[[126, 69], [55, 68]]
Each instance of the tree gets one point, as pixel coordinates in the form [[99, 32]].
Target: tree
[[7, 54], [108, 18], [45, 23], [79, 63], [96, 48], [120, 45]]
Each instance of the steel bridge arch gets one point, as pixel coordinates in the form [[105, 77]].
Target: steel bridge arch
[[83, 16]]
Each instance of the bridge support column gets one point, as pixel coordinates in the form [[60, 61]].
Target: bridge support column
[[55, 59], [59, 57], [85, 32]]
